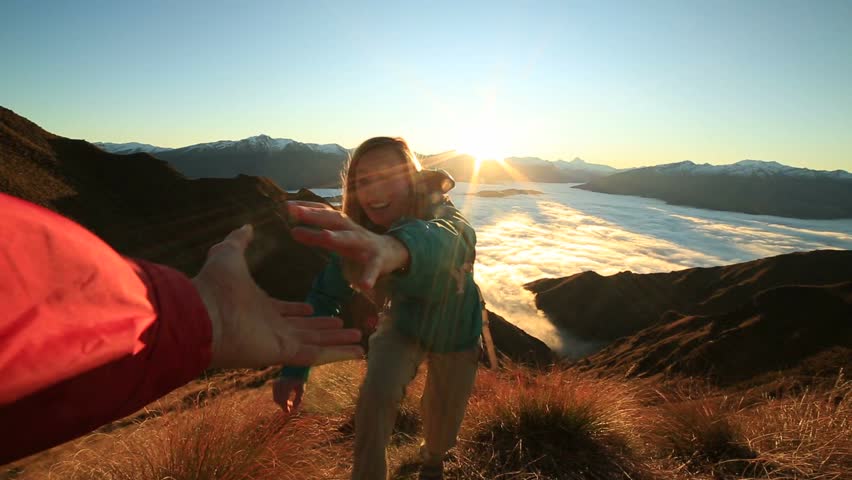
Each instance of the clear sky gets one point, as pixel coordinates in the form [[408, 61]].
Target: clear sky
[[623, 83]]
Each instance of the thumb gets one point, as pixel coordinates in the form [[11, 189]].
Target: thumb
[[241, 236], [239, 239]]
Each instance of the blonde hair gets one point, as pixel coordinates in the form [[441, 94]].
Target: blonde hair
[[351, 206]]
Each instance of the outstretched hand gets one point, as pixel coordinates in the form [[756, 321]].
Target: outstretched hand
[[252, 329], [377, 254]]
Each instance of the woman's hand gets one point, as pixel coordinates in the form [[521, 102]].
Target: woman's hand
[[377, 254], [283, 388], [252, 329]]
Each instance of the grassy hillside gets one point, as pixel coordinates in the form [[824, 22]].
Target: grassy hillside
[[521, 424]]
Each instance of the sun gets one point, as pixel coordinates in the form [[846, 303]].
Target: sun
[[483, 148], [485, 136]]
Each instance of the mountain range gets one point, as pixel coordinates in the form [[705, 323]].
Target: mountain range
[[517, 169], [748, 186], [295, 165]]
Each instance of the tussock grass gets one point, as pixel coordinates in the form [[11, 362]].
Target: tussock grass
[[805, 437], [559, 425], [704, 435], [226, 440], [520, 424]]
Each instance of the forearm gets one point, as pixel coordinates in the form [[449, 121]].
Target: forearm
[[438, 252], [87, 336], [172, 350]]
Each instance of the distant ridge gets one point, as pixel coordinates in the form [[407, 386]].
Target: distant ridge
[[129, 148], [748, 186], [290, 164], [732, 323], [295, 165]]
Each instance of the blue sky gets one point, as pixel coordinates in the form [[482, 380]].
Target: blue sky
[[621, 83]]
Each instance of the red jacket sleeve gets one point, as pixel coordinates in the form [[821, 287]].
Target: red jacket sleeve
[[86, 335]]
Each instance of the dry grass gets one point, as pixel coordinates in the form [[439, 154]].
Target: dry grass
[[230, 439], [805, 437], [703, 435], [520, 424], [560, 425]]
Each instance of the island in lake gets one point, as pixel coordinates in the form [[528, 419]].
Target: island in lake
[[505, 193]]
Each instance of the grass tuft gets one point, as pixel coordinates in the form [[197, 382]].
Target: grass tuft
[[558, 426]]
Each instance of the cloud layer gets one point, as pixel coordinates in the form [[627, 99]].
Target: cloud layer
[[566, 231]]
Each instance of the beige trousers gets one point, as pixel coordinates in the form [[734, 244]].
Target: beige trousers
[[392, 364]]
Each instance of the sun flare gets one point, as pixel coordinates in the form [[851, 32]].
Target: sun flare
[[486, 149]]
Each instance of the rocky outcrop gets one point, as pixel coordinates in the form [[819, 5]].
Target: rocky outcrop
[[517, 345]]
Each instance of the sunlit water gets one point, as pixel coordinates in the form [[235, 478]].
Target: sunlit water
[[567, 230]]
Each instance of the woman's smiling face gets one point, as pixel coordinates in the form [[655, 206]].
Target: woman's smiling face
[[382, 186]]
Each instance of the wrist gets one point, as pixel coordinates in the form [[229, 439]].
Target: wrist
[[400, 256], [208, 298]]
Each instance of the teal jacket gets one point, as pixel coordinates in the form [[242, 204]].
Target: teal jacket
[[435, 302]]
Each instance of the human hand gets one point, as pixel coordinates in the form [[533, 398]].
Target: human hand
[[283, 388], [378, 254], [252, 329]]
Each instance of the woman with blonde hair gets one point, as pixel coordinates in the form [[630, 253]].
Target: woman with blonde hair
[[400, 241]]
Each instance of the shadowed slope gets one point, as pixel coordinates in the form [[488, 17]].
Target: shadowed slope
[[607, 307], [144, 208], [798, 330]]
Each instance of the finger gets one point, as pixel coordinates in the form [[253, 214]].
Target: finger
[[303, 203], [314, 323], [343, 242], [321, 217], [241, 237], [315, 355], [296, 309], [311, 237], [343, 336]]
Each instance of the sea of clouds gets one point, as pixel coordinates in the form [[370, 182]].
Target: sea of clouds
[[566, 230]]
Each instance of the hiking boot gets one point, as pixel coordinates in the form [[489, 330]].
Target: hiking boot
[[432, 472]]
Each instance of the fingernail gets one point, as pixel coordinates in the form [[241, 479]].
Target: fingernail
[[246, 227]]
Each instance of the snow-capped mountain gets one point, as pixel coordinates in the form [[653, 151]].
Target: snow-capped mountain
[[576, 164], [748, 186], [129, 148], [257, 143], [756, 168], [580, 164], [289, 163]]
